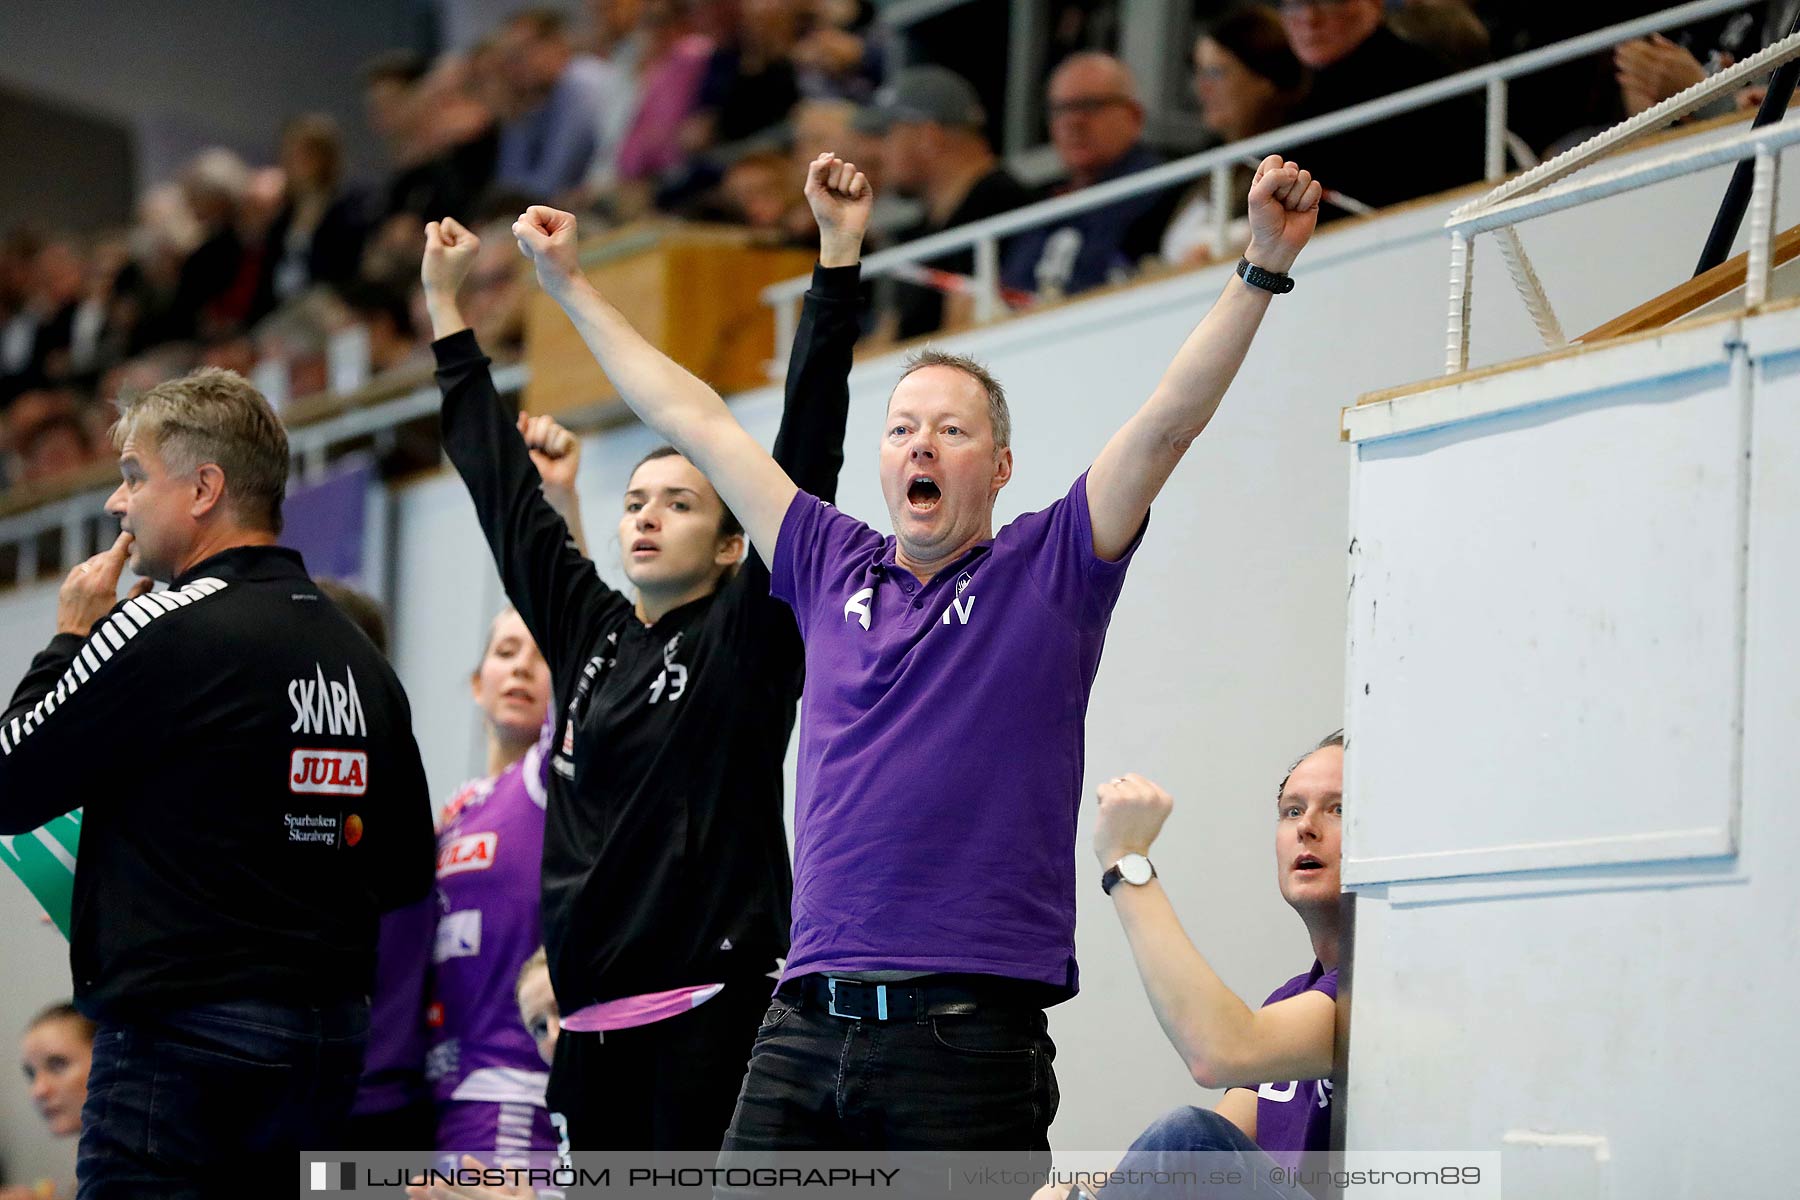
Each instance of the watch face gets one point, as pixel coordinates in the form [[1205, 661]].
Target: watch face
[[1135, 870]]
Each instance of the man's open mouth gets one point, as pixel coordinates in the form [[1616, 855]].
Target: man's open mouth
[[923, 493], [1307, 862]]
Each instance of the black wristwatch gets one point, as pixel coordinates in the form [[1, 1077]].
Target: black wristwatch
[[1268, 281]]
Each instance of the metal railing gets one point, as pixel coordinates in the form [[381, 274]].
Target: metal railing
[[310, 446], [1536, 193], [984, 236]]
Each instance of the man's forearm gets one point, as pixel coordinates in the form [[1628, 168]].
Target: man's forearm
[[1202, 1017], [1197, 378]]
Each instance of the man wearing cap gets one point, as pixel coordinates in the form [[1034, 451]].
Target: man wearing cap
[[934, 148]]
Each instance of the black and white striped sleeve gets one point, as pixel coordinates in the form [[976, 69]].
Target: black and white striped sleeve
[[84, 708]]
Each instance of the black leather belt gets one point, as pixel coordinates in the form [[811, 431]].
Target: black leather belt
[[908, 1000]]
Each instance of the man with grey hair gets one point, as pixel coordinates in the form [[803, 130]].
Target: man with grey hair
[[252, 800], [948, 669]]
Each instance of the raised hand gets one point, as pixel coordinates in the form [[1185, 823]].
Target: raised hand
[[841, 200], [1652, 69], [547, 237], [449, 253], [1284, 210], [555, 452], [92, 588], [1132, 812]]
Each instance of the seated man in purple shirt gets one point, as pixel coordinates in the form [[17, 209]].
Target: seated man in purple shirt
[[1274, 1061], [941, 740]]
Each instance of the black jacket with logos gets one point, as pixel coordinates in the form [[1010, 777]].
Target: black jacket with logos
[[252, 795], [665, 855]]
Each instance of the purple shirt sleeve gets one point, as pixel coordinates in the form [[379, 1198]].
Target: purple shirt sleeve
[[817, 545], [1073, 579]]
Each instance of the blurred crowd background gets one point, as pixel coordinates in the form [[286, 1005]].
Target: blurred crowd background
[[300, 271]]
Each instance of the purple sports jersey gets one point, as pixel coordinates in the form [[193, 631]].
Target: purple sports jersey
[[490, 847], [941, 743], [1295, 1117]]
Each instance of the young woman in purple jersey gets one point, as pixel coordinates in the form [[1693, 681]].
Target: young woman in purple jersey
[[483, 1066]]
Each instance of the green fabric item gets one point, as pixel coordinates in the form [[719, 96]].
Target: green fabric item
[[45, 861]]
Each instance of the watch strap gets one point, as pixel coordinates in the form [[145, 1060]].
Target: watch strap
[[1113, 876], [1269, 281]]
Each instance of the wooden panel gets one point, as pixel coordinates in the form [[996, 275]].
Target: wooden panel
[[1696, 293], [695, 293]]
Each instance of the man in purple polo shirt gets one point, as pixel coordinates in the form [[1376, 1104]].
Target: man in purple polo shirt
[[948, 670], [1273, 1061]]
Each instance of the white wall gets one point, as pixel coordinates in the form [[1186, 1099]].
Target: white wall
[[1226, 653], [1631, 706]]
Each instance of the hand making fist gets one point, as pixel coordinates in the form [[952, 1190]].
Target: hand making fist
[[449, 253], [547, 237], [840, 196], [1284, 209], [1132, 812], [555, 452]]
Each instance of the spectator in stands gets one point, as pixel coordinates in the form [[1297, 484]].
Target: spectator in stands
[[839, 57], [572, 107], [493, 297], [317, 235], [165, 234], [19, 318], [1449, 29], [935, 149], [672, 69], [440, 129], [1355, 57], [389, 81], [1561, 104], [1096, 123], [31, 408], [1247, 81], [217, 286], [55, 446], [1274, 1061], [44, 326], [386, 312], [298, 337], [750, 83], [615, 32], [756, 192], [1650, 70]]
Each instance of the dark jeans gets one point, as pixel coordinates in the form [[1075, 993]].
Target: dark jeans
[[196, 1103], [668, 1085], [1195, 1154], [977, 1080]]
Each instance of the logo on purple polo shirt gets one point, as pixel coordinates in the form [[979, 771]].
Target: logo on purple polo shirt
[[859, 604]]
